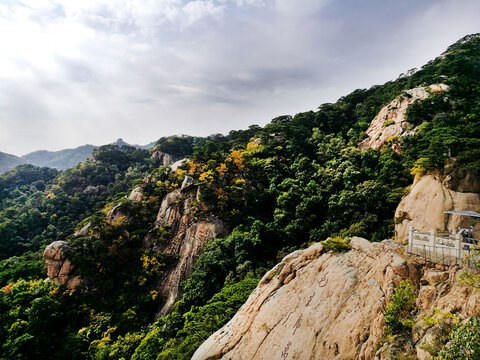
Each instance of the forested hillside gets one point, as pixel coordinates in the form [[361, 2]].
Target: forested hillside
[[278, 188]]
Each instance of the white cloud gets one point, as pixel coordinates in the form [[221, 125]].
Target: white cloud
[[200, 9]]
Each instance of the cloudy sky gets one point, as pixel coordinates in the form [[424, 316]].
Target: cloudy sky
[[91, 71]]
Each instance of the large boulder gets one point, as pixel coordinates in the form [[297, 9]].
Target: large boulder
[[119, 214], [433, 195], [136, 195], [323, 305], [164, 158], [59, 267]]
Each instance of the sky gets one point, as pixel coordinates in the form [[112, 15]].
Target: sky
[[91, 71]]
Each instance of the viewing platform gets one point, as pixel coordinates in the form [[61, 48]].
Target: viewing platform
[[443, 246]]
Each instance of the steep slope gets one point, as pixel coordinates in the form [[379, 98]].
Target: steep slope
[[276, 189], [322, 305], [188, 235], [391, 121]]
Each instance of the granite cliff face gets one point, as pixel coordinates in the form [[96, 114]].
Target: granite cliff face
[[391, 121], [324, 305], [433, 194], [187, 236]]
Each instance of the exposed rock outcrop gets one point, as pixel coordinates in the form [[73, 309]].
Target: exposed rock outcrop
[[136, 194], [59, 267], [188, 236], [174, 167], [118, 214], [391, 122], [432, 195], [187, 183], [164, 157], [317, 305], [84, 231]]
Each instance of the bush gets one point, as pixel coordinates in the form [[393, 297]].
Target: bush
[[397, 314], [337, 244], [464, 342]]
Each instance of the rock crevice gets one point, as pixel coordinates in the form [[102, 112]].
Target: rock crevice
[[187, 236]]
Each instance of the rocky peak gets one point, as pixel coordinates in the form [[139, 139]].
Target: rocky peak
[[322, 305], [391, 122], [59, 267]]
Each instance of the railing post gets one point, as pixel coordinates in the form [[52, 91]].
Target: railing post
[[458, 246], [410, 238], [432, 244]]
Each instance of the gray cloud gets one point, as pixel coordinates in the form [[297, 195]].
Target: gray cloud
[[95, 70]]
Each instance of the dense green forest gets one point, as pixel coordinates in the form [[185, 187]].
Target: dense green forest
[[278, 188]]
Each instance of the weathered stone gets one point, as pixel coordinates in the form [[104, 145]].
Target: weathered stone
[[425, 297], [174, 167], [433, 339], [84, 231], [428, 195], [59, 267], [187, 240], [435, 277], [318, 305], [164, 157], [117, 214], [136, 195], [391, 122], [187, 182]]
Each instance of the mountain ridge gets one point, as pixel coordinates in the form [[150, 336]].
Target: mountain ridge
[[58, 159]]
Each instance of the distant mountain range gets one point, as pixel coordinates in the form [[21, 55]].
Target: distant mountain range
[[62, 159]]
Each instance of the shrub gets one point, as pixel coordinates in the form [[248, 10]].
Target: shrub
[[464, 342], [337, 244], [397, 314]]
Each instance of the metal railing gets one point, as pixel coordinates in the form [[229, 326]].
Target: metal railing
[[441, 246], [444, 255]]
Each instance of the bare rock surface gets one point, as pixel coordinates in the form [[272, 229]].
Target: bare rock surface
[[431, 195], [84, 231], [164, 157], [136, 195], [59, 267], [391, 121], [188, 236], [187, 182], [117, 214], [177, 164], [323, 305]]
